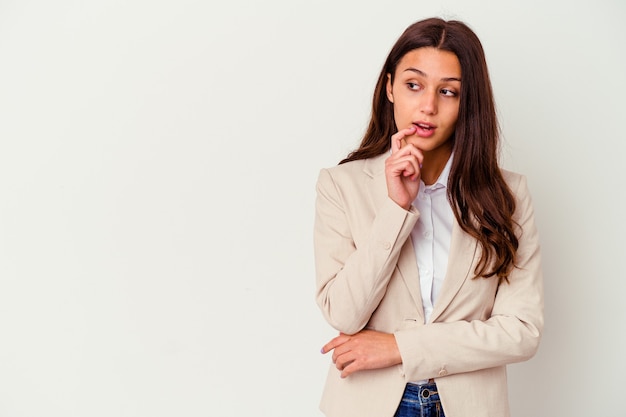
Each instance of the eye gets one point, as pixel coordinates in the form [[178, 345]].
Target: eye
[[449, 93], [413, 86]]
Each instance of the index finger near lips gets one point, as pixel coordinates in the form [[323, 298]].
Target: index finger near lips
[[397, 138]]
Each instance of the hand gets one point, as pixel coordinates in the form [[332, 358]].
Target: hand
[[403, 169], [367, 349]]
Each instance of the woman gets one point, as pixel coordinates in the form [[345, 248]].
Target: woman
[[427, 256]]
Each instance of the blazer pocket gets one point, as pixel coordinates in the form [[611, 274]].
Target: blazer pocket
[[410, 323]]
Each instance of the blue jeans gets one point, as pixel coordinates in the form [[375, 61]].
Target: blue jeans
[[420, 401]]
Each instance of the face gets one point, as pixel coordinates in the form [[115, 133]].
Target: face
[[425, 94]]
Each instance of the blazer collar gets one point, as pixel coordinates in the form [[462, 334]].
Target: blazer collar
[[376, 166]]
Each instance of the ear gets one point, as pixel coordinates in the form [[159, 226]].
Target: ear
[[389, 89]]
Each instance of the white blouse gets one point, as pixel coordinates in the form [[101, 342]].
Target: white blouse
[[431, 237]]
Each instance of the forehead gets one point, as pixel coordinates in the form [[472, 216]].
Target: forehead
[[432, 62]]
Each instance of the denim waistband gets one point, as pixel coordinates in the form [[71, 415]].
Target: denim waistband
[[420, 400], [424, 392]]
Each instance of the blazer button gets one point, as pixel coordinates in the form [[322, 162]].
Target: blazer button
[[443, 372], [386, 245]]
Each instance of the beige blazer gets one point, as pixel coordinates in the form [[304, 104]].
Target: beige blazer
[[367, 278]]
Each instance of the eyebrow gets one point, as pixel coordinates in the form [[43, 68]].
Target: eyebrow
[[423, 74]]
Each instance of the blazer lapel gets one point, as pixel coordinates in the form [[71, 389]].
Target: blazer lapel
[[461, 263], [407, 263]]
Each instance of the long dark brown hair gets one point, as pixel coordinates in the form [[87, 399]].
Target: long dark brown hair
[[482, 202]]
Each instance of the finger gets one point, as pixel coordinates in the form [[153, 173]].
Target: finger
[[398, 139], [409, 149], [345, 361], [336, 341], [350, 368], [412, 154], [407, 166], [341, 350], [395, 144]]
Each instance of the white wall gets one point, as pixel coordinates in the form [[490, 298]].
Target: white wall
[[157, 171]]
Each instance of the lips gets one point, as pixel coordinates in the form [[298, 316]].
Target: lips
[[424, 129]]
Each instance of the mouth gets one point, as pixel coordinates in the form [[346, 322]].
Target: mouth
[[424, 126], [424, 129]]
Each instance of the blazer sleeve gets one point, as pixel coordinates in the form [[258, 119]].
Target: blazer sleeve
[[352, 274], [511, 333]]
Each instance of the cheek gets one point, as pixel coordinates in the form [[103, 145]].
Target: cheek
[[453, 116], [401, 112], [397, 115]]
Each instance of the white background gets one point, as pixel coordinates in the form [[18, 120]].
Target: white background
[[157, 169]]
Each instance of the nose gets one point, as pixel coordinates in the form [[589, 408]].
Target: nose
[[428, 103]]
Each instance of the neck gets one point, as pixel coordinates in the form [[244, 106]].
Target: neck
[[434, 163]]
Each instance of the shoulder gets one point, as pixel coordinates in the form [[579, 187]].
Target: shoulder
[[515, 181], [353, 184], [519, 187], [353, 170]]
